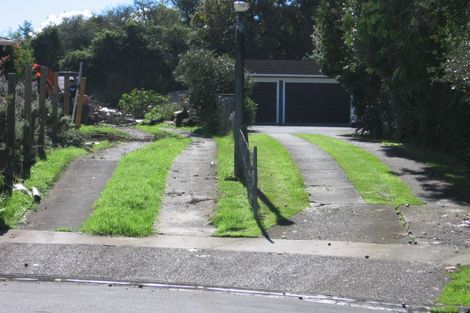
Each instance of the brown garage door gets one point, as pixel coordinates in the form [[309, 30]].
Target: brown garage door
[[309, 103], [264, 95]]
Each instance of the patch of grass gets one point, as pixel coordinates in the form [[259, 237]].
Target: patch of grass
[[103, 131], [101, 145], [64, 230], [457, 292], [132, 197], [157, 131], [450, 168], [281, 187], [446, 309], [374, 181], [43, 174], [151, 129]]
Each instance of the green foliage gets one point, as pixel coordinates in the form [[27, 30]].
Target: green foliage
[[396, 58], [22, 56], [140, 102], [47, 48], [207, 75], [162, 112], [274, 29]]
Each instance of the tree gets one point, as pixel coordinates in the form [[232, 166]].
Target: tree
[[392, 55], [207, 75], [47, 47]]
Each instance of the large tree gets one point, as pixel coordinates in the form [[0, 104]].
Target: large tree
[[391, 54]]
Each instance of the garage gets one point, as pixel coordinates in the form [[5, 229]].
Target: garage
[[297, 93]]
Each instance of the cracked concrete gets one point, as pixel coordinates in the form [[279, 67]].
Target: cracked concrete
[[191, 192]]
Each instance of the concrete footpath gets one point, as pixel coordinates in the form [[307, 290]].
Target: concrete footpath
[[387, 273]]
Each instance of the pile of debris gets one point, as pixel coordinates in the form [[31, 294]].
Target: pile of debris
[[104, 115]]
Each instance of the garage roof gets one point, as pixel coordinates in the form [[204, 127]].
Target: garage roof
[[6, 42], [283, 67]]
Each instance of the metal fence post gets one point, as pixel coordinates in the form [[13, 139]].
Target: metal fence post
[[255, 178], [66, 110]]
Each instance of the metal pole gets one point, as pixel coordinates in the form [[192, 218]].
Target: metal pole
[[74, 109], [239, 91]]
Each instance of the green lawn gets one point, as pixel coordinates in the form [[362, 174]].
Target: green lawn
[[43, 174], [374, 181], [158, 129], [100, 130], [457, 292], [450, 168], [132, 197], [282, 193]]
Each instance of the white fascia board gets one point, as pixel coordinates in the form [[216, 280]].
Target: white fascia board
[[294, 79]]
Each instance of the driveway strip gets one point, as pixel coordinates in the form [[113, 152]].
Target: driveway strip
[[71, 200], [325, 180], [190, 192]]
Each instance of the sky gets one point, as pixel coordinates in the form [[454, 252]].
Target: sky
[[14, 12]]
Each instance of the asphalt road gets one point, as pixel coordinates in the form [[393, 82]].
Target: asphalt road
[[54, 297]]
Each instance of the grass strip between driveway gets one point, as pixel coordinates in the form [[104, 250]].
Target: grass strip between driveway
[[281, 189], [456, 293], [374, 181], [43, 174], [132, 197], [96, 130]]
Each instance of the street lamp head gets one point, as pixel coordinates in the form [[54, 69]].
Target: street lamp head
[[241, 6]]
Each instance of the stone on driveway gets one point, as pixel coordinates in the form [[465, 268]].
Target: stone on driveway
[[439, 225]]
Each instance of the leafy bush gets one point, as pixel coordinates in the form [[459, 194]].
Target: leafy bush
[[140, 102], [162, 112], [207, 74]]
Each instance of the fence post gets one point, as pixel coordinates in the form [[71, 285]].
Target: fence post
[[42, 113], [10, 132], [55, 103], [27, 132], [66, 111], [81, 94], [255, 178]]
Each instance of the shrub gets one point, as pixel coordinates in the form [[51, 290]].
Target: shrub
[[207, 74], [139, 102], [162, 112]]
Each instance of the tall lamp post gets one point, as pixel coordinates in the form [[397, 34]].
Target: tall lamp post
[[240, 8]]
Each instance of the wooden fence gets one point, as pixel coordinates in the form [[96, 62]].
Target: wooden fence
[[34, 142]]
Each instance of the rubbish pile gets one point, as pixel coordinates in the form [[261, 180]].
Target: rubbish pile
[[104, 115]]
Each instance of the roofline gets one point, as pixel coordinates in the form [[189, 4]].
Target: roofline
[[287, 75]]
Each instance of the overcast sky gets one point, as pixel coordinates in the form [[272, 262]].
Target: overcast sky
[[14, 12]]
